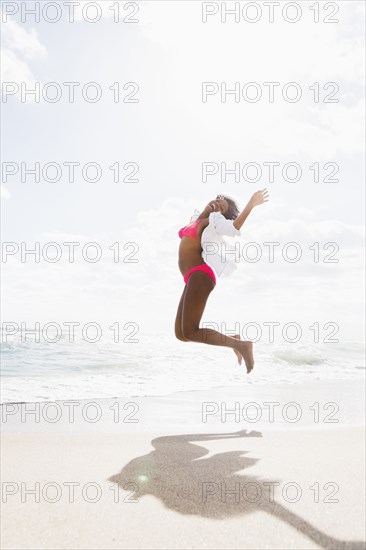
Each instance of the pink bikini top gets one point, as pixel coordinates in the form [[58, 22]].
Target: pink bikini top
[[189, 230]]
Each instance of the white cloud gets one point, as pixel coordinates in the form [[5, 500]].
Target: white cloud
[[15, 69], [304, 52], [20, 46], [16, 37], [4, 193]]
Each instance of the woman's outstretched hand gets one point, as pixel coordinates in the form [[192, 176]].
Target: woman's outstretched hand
[[259, 197]]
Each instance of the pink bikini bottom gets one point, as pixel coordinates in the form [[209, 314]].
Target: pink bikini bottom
[[202, 267]]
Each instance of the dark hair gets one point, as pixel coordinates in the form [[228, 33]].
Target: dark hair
[[233, 210]]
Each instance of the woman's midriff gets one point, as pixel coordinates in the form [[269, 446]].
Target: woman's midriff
[[190, 250]]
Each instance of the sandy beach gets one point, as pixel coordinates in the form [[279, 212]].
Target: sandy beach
[[192, 475]]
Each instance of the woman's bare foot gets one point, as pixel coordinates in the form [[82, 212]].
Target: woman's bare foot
[[246, 350], [237, 353]]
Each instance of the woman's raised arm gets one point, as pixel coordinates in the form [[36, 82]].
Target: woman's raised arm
[[258, 198]]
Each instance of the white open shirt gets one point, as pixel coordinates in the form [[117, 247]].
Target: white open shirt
[[216, 252]]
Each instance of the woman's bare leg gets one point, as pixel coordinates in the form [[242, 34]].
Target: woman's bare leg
[[237, 353], [178, 319], [179, 332], [195, 297]]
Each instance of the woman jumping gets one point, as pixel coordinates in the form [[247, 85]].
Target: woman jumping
[[202, 239]]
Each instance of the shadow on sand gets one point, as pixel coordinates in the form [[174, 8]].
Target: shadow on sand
[[176, 474]]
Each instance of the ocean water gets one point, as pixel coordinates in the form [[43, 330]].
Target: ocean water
[[158, 364]]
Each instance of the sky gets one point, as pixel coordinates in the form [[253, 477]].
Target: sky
[[163, 139]]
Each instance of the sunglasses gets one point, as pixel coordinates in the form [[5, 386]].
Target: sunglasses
[[219, 197]]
